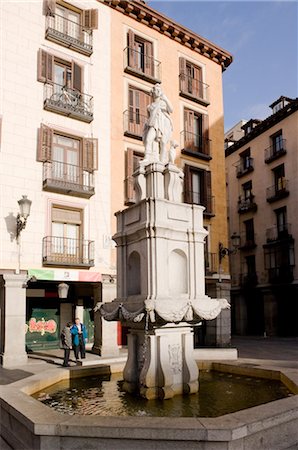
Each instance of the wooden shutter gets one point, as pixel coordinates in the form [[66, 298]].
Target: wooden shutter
[[76, 73], [182, 74], [207, 193], [131, 53], [45, 67], [129, 192], [187, 184], [90, 154], [188, 129], [45, 143], [145, 100], [49, 7], [90, 19], [197, 82], [205, 134], [149, 65]]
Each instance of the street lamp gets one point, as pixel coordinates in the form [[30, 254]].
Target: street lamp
[[25, 206], [63, 290], [224, 251]]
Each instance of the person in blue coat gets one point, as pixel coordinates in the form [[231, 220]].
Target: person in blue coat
[[79, 337]]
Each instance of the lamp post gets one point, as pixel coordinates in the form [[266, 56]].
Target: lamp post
[[25, 206], [224, 251], [63, 290]]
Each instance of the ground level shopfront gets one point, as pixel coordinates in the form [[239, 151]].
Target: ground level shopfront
[[32, 314]]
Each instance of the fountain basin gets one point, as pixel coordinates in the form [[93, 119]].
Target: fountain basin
[[27, 423]]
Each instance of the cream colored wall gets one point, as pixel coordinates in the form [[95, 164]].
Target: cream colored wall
[[262, 178], [23, 30], [167, 52]]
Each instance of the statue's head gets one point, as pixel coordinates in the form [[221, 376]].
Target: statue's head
[[156, 91]]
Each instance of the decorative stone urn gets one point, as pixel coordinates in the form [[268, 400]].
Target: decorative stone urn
[[160, 282]]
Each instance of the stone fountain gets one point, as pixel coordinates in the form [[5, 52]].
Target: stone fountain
[[160, 269]]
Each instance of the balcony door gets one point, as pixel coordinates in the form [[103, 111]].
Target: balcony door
[[66, 235], [68, 22], [66, 159]]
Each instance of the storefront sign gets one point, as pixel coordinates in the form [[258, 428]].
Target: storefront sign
[[41, 326], [64, 275]]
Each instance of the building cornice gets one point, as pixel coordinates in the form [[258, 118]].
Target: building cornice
[[153, 19], [264, 126]]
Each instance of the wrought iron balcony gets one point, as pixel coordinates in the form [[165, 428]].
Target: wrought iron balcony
[[193, 89], [207, 201], [133, 123], [211, 263], [61, 251], [195, 145], [69, 34], [279, 233], [248, 279], [282, 274], [139, 64], [247, 241], [278, 191], [68, 101], [67, 179], [244, 166], [275, 151], [246, 204]]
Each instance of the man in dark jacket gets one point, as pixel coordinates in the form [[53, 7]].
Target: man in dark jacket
[[79, 337], [66, 343]]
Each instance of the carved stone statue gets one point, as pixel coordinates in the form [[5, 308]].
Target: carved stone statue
[[158, 127]]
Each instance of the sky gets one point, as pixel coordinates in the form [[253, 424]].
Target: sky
[[262, 37]]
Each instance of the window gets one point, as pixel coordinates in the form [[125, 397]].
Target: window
[[140, 60], [250, 265], [191, 80], [197, 187], [70, 26], [281, 220], [247, 191], [277, 142], [249, 232], [196, 133], [132, 162], [279, 178], [69, 162], [136, 115], [59, 72], [245, 159], [66, 232]]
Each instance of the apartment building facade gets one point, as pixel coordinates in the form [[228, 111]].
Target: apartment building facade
[[75, 86], [262, 170]]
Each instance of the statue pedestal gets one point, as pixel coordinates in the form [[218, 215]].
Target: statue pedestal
[[160, 363]]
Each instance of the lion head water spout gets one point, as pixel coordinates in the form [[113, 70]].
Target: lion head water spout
[[160, 267]]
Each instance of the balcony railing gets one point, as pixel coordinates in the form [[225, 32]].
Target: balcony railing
[[207, 201], [68, 101], [246, 205], [283, 274], [138, 63], [195, 145], [60, 251], [211, 263], [275, 151], [248, 279], [278, 191], [244, 166], [134, 123], [69, 34], [67, 179], [247, 241], [279, 233], [193, 88]]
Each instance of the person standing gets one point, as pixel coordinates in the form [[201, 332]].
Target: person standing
[[79, 336], [66, 343]]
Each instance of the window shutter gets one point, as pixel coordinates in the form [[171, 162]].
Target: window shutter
[[197, 82], [207, 200], [90, 154], [187, 184], [205, 133], [76, 71], [45, 143], [149, 66], [129, 192], [49, 7], [144, 102], [182, 74], [45, 66], [131, 49], [188, 129], [90, 19]]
